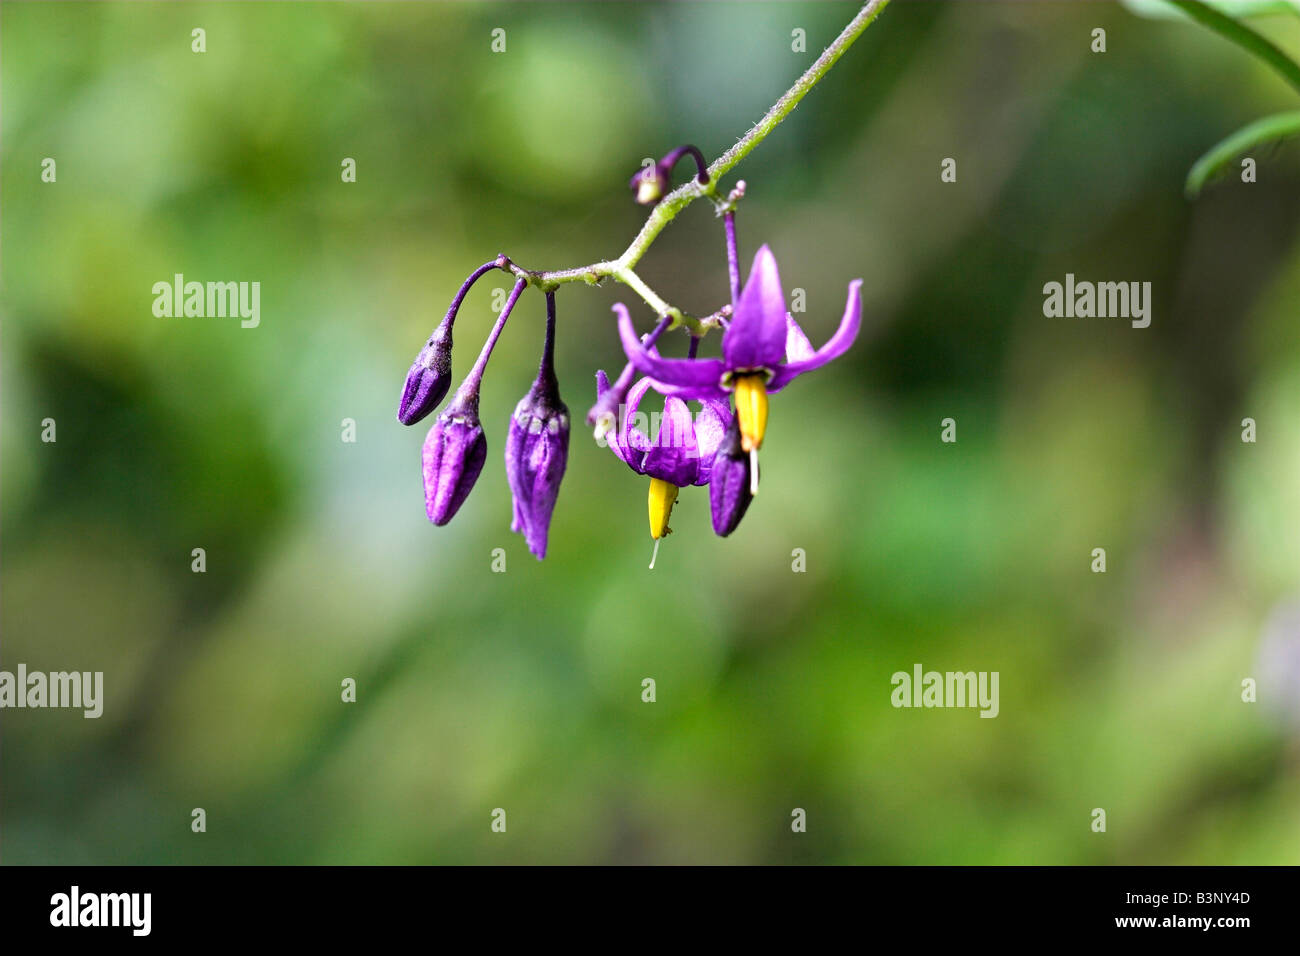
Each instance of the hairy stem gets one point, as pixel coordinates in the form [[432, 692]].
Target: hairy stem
[[681, 197]]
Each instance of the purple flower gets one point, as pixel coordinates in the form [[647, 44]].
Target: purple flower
[[681, 454], [537, 448], [763, 350], [454, 452], [730, 484]]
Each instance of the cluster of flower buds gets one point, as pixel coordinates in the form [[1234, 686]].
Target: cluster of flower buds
[[763, 350], [455, 449]]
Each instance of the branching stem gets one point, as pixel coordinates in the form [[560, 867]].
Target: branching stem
[[622, 268]]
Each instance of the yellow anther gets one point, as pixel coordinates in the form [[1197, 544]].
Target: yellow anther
[[662, 496], [751, 410]]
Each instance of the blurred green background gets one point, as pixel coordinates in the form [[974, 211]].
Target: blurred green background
[[522, 690]]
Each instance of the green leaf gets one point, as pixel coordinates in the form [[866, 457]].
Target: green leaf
[[1243, 36], [1270, 129], [1161, 10]]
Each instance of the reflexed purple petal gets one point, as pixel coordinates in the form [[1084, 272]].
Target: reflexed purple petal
[[729, 488], [836, 346], [454, 452], [628, 442], [710, 428], [699, 376], [609, 396], [675, 455], [631, 436], [797, 346], [756, 336]]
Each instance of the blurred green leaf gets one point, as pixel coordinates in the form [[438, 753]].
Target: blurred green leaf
[[1243, 36], [1162, 10], [1270, 129]]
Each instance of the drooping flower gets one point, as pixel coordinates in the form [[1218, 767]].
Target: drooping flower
[[429, 378], [537, 448], [455, 448], [763, 350], [681, 454]]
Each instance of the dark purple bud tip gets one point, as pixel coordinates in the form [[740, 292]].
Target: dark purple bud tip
[[537, 451], [729, 485], [454, 452], [429, 378]]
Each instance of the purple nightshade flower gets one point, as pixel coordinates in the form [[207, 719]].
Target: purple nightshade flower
[[730, 485], [537, 447], [681, 454], [763, 350], [430, 376], [455, 448]]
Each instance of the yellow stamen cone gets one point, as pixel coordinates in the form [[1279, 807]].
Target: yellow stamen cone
[[662, 497], [751, 410]]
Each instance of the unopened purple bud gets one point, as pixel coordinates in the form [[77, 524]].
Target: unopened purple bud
[[429, 378], [537, 448], [537, 451], [730, 491], [454, 452]]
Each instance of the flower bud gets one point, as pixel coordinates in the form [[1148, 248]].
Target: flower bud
[[650, 184], [429, 378], [537, 447], [730, 490], [454, 452], [537, 450]]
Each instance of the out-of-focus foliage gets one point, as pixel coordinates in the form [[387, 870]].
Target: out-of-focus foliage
[[1225, 20], [522, 690]]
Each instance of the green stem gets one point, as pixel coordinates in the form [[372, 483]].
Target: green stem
[[681, 197], [1270, 129], [1243, 36]]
